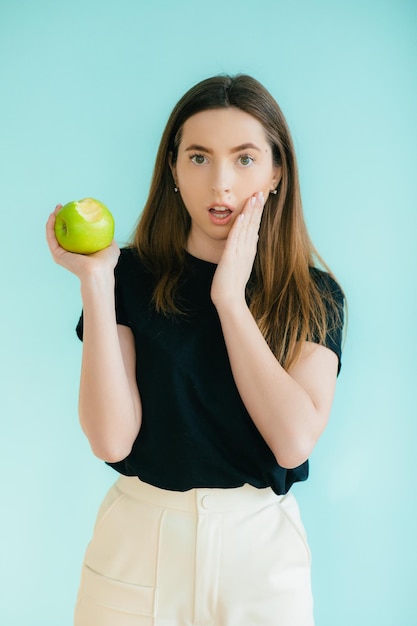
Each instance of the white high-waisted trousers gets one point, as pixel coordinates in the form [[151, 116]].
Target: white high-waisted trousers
[[204, 557]]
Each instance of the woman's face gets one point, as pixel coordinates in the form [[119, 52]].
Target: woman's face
[[224, 158]]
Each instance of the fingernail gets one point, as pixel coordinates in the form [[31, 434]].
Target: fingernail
[[261, 197], [253, 200]]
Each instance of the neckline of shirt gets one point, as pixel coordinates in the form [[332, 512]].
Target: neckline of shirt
[[197, 261]]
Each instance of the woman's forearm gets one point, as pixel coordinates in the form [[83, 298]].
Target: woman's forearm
[[285, 413], [109, 404]]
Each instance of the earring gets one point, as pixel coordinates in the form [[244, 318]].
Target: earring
[[274, 191], [176, 189]]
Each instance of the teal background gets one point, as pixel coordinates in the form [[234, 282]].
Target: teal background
[[86, 88]]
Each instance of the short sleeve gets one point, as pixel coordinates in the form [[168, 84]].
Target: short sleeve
[[121, 273], [333, 300]]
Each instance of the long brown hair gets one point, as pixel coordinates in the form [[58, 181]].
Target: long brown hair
[[284, 297]]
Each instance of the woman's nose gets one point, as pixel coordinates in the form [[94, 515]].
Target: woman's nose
[[221, 181]]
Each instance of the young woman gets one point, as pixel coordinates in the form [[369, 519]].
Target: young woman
[[211, 350]]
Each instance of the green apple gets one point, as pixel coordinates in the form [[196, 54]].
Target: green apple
[[84, 226]]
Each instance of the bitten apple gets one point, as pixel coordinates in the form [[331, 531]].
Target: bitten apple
[[84, 226]]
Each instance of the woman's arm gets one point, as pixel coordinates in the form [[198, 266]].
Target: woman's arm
[[290, 409], [109, 402]]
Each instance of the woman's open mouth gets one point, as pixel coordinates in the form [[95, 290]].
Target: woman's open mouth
[[220, 214]]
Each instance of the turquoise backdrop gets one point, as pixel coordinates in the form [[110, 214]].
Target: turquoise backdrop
[[86, 87]]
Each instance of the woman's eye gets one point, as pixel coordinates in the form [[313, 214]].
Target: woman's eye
[[245, 160], [198, 159]]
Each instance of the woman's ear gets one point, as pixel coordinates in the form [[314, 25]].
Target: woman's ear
[[277, 177], [173, 168]]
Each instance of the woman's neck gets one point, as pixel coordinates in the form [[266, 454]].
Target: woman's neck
[[206, 250]]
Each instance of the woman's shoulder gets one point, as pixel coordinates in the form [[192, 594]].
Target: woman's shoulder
[[327, 285], [333, 299], [129, 255], [130, 262]]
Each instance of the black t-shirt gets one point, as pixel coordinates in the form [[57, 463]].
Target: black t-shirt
[[195, 429]]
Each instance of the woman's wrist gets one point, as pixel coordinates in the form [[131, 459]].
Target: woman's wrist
[[231, 306], [98, 281]]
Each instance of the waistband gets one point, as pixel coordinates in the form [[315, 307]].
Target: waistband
[[200, 499]]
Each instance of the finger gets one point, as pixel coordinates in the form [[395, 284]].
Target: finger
[[257, 208], [254, 207], [54, 247], [253, 214], [239, 231], [50, 234], [50, 226], [51, 219], [236, 234]]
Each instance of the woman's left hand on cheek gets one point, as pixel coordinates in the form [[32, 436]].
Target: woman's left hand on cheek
[[235, 266]]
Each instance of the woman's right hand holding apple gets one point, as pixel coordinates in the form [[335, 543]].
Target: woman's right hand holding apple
[[82, 265]]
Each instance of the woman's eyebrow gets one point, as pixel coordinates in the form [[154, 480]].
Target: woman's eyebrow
[[243, 146], [195, 146]]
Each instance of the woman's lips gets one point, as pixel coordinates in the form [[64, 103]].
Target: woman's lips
[[220, 214]]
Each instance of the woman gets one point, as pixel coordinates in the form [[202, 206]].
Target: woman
[[210, 356]]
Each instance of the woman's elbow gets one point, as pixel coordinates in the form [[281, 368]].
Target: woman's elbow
[[290, 460], [293, 454], [111, 452], [110, 442]]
